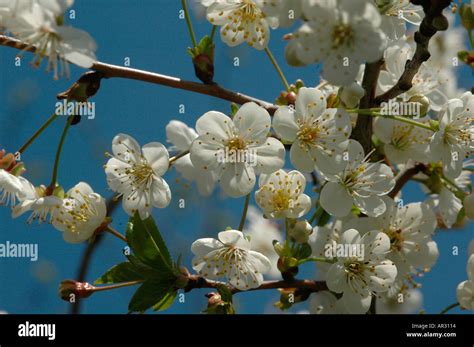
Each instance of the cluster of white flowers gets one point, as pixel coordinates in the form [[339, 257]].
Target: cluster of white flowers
[[41, 24], [372, 244]]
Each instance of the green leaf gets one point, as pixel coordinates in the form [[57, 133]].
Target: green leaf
[[147, 244], [166, 302], [153, 292], [123, 272]]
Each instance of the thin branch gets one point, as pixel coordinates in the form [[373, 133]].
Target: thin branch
[[433, 22], [115, 71], [405, 177], [309, 285]]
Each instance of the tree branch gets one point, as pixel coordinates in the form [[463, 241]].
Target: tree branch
[[115, 71], [405, 177], [433, 22], [196, 282], [363, 129]]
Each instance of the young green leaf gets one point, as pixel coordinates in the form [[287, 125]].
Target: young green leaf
[[152, 292], [147, 244], [123, 272]]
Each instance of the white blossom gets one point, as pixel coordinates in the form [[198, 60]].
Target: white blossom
[[81, 213], [135, 174], [39, 27], [465, 289], [281, 195], [428, 81], [43, 208], [410, 229], [241, 21], [358, 279], [230, 256], [245, 139], [13, 188], [324, 302], [396, 14], [455, 139], [318, 134], [402, 141], [348, 33], [181, 137], [361, 183]]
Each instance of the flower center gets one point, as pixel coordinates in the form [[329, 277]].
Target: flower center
[[342, 35], [307, 134], [249, 11], [236, 144], [140, 173], [396, 239], [281, 200]]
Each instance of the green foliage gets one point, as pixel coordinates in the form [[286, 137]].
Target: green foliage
[[150, 264]]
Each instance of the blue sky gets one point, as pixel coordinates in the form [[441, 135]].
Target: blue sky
[[153, 36]]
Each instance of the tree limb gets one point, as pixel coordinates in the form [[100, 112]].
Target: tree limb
[[363, 129], [115, 71], [433, 22]]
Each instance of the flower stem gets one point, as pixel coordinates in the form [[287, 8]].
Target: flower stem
[[54, 178], [38, 132], [403, 119], [453, 185], [116, 286], [176, 157], [189, 23], [456, 304], [116, 233], [244, 212], [213, 32], [277, 68], [471, 39], [319, 211]]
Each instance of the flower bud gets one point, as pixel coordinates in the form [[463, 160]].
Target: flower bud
[[469, 206], [204, 68], [85, 87], [79, 289], [279, 247], [6, 161], [351, 95], [215, 305], [300, 231], [467, 16]]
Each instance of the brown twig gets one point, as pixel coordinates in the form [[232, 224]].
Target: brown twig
[[196, 282], [114, 71], [405, 177], [433, 22], [363, 129]]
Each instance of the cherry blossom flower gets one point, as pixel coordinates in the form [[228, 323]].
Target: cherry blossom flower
[[465, 289], [281, 195], [409, 228], [406, 301], [230, 256], [396, 14], [81, 213], [361, 183], [357, 279], [348, 34], [285, 12], [428, 81], [43, 208], [241, 21], [455, 139], [135, 174], [13, 188], [39, 27], [245, 139], [181, 137], [318, 135], [402, 141]]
